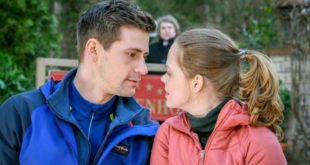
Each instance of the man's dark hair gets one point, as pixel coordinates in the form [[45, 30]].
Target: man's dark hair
[[104, 19]]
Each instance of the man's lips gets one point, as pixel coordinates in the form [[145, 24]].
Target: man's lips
[[134, 80]]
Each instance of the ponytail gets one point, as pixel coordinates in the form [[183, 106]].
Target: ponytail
[[258, 87]]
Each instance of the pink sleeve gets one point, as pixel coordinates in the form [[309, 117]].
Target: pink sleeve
[[265, 150], [160, 146]]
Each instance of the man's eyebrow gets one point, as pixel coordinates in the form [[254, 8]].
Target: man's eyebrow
[[137, 50], [134, 49]]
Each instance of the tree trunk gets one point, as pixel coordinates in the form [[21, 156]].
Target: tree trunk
[[298, 133]]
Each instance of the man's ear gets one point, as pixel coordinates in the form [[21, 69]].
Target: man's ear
[[91, 49], [197, 83]]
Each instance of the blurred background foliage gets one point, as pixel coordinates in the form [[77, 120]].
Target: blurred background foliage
[[28, 29], [253, 24]]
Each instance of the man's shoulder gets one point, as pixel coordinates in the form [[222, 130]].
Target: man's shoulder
[[26, 100], [33, 97], [15, 112]]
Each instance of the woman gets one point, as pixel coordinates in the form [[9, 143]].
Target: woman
[[230, 102]]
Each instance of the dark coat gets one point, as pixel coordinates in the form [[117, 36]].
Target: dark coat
[[159, 52]]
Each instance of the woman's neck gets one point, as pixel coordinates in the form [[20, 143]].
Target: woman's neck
[[201, 106]]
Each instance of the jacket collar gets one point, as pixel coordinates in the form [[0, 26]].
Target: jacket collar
[[233, 114], [170, 41], [57, 97], [128, 109]]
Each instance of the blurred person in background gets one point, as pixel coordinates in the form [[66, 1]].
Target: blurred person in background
[[167, 29]]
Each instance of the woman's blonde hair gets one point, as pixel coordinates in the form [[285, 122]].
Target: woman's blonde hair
[[212, 54]]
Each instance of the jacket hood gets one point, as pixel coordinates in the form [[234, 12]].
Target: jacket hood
[[233, 114]]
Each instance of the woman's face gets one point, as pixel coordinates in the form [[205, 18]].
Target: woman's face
[[176, 83]]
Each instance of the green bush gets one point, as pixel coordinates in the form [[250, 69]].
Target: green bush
[[285, 95], [258, 31], [28, 29], [12, 78]]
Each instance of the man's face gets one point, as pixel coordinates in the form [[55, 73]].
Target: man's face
[[166, 31], [121, 66]]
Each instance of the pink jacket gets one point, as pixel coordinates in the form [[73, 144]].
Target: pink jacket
[[233, 142]]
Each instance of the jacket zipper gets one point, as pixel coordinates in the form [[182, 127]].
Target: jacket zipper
[[202, 152], [207, 148], [90, 123]]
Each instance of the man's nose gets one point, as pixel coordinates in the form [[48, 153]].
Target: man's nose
[[141, 67], [163, 78]]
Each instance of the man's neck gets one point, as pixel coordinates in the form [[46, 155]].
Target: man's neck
[[89, 90]]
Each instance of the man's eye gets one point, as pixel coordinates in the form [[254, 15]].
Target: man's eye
[[132, 54]]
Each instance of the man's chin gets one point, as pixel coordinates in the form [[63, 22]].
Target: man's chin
[[128, 94]]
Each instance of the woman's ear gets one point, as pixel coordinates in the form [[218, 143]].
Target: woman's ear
[[197, 83], [91, 48]]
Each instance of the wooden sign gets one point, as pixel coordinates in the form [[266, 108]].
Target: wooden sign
[[151, 94]]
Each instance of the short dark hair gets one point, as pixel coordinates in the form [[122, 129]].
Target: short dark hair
[[104, 19]]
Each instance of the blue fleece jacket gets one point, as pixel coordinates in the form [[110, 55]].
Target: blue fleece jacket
[[37, 127], [94, 119]]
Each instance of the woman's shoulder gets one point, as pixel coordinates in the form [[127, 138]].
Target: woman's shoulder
[[262, 145], [178, 122], [252, 137], [178, 119]]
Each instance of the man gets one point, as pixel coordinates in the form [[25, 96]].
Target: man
[[90, 116], [167, 30]]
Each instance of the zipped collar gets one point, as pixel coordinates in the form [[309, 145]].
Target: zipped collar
[[233, 114], [86, 109]]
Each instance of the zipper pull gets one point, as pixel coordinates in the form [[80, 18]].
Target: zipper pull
[[112, 117], [202, 156]]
